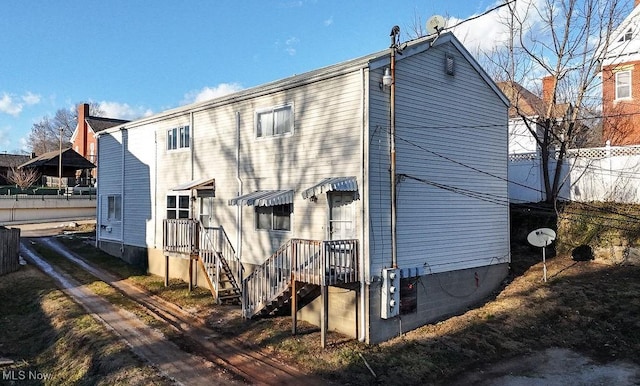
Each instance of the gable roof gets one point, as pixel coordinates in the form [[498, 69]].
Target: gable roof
[[373, 61], [625, 50], [70, 158], [524, 102], [13, 160], [98, 124]]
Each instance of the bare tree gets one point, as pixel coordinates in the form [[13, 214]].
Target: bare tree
[[560, 40], [45, 135], [23, 177]]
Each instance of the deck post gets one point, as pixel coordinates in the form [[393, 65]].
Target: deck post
[[294, 305], [166, 270], [324, 320], [190, 273]]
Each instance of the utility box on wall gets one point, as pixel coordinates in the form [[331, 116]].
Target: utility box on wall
[[390, 306]]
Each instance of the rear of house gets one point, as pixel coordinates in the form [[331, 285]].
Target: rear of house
[[291, 180]]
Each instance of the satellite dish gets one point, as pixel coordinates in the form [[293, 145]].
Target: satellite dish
[[435, 24], [542, 238]]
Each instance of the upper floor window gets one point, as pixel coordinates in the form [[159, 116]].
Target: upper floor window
[[178, 206], [277, 218], [274, 121], [627, 36], [623, 84], [178, 138]]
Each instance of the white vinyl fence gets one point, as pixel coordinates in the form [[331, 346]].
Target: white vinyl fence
[[605, 174]]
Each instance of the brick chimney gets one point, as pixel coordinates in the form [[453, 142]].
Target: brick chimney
[[636, 2], [548, 86], [83, 129]]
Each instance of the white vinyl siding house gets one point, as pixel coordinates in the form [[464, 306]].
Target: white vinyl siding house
[[307, 158]]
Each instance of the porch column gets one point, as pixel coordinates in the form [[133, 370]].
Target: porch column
[[294, 305]]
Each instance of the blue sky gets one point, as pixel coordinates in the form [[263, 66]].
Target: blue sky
[[137, 58]]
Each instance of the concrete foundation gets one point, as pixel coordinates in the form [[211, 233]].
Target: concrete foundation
[[438, 296]]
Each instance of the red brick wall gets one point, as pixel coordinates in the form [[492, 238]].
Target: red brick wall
[[621, 118]]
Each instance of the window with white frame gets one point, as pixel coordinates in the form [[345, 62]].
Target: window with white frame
[[274, 121], [114, 207], [274, 218], [178, 138], [178, 206], [627, 36], [623, 84]]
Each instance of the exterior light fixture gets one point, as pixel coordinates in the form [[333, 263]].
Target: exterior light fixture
[[387, 79]]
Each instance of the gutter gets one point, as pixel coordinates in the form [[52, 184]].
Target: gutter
[[364, 202]]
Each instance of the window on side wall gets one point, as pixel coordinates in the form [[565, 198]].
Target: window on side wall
[[178, 138], [274, 218], [178, 206], [623, 85], [273, 122], [114, 207]]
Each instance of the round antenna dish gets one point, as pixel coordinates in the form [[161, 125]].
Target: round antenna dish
[[541, 237], [435, 24]]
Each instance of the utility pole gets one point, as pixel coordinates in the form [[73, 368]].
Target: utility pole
[[60, 163]]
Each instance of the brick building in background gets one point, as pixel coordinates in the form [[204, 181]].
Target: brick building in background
[[621, 83], [83, 139]]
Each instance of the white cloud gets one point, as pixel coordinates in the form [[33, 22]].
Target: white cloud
[[13, 105], [119, 110], [290, 45], [9, 106], [488, 32], [31, 98], [328, 22], [207, 93]]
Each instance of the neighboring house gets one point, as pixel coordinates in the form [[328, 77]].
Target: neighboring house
[[621, 83], [292, 179], [83, 140], [50, 166], [9, 161]]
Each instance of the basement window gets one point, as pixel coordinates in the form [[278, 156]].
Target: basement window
[[274, 218], [408, 295]]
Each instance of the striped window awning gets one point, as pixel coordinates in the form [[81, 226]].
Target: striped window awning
[[264, 198], [202, 183], [338, 184]]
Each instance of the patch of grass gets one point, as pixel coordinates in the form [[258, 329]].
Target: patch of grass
[[48, 334]]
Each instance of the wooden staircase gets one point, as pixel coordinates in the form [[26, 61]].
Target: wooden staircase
[[221, 275], [312, 263]]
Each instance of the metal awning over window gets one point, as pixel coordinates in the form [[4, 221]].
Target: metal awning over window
[[339, 184], [202, 183], [264, 198]]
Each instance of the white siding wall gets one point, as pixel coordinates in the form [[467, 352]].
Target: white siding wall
[[451, 131], [109, 183], [326, 143]]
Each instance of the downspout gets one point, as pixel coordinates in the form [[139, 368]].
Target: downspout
[[239, 180], [365, 202], [98, 204], [154, 215], [125, 141]]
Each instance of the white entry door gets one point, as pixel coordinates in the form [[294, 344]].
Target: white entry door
[[341, 216]]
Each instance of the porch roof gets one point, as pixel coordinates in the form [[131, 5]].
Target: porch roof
[[339, 184], [264, 198], [202, 183]]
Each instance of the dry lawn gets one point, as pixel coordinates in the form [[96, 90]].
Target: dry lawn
[[588, 307], [53, 341]]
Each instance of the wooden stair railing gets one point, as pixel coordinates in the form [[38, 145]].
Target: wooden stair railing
[[311, 262], [218, 259]]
